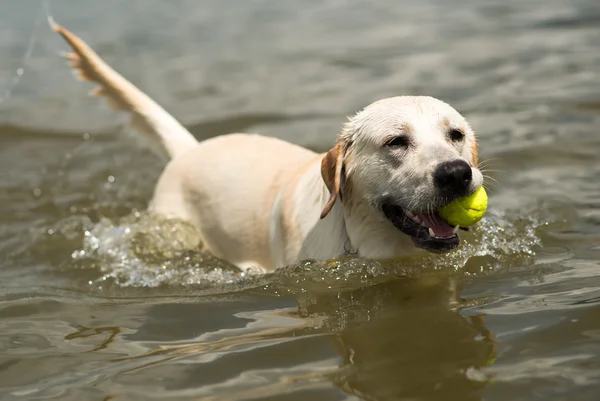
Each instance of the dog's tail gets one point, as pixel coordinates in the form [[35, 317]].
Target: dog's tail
[[166, 135]]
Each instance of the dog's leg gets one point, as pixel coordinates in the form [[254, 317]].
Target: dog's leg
[[164, 132]]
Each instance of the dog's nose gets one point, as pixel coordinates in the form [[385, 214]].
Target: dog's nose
[[453, 178]]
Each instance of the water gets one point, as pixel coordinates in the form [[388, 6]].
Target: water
[[102, 301]]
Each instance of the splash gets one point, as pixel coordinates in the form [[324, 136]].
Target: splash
[[144, 250], [496, 242]]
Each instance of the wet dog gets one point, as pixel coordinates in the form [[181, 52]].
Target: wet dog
[[263, 202]]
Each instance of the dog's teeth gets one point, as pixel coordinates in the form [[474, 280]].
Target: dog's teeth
[[431, 233], [455, 229], [410, 214]]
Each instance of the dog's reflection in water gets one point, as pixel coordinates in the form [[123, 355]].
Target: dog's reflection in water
[[406, 340]]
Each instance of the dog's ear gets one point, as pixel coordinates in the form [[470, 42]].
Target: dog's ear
[[331, 171]]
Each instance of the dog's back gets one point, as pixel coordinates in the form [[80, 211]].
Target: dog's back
[[234, 208]]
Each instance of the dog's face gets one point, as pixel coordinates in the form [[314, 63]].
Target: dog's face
[[407, 157]]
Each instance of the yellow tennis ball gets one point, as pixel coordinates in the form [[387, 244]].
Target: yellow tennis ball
[[466, 211]]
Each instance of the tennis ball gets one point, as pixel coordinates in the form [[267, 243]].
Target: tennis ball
[[466, 211]]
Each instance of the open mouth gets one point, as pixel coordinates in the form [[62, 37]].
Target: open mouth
[[427, 230]]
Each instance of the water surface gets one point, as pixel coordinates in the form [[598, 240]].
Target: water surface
[[101, 301]]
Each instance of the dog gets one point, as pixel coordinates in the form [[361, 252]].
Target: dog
[[261, 202]]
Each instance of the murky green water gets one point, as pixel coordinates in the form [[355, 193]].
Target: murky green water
[[100, 301]]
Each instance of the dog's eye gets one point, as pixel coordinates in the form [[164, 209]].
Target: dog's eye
[[398, 142], [456, 135]]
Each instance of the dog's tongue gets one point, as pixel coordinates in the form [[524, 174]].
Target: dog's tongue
[[437, 224]]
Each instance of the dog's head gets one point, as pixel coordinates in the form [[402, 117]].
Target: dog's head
[[406, 157]]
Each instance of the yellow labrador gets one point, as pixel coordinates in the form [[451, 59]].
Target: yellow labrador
[[263, 202]]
